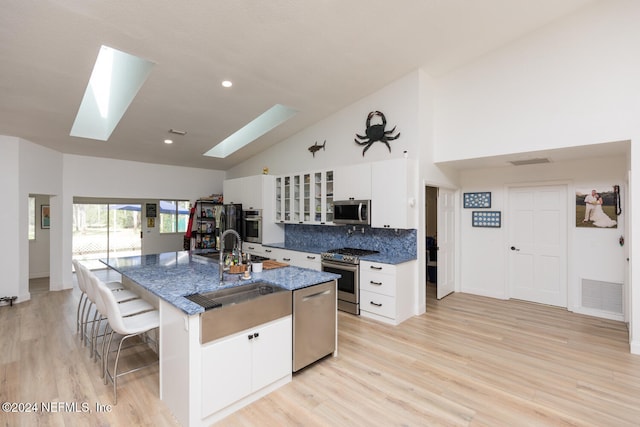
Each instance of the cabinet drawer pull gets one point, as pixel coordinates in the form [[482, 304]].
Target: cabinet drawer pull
[[267, 250], [375, 283], [375, 303], [310, 257], [374, 267], [286, 259], [251, 247]]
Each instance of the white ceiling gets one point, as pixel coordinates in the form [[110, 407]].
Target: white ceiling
[[317, 56]]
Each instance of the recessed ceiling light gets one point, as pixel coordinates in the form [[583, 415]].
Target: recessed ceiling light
[[168, 141], [115, 80], [227, 83], [253, 130]]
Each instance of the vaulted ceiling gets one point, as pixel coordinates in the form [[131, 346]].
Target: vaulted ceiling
[[315, 56]]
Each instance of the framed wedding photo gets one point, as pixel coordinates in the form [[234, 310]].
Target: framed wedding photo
[[45, 219], [597, 207]]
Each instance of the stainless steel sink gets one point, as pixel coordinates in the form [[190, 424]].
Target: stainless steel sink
[[238, 294], [242, 307]]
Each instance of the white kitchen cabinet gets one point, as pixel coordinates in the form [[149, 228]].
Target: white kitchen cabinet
[[301, 259], [295, 258], [353, 182], [386, 291], [253, 248], [247, 190], [309, 260], [287, 196], [236, 366], [307, 195], [304, 198], [393, 189], [273, 253], [323, 196]]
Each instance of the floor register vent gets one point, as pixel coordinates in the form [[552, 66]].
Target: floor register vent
[[603, 296]]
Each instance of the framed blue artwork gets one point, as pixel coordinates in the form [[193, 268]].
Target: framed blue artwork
[[477, 200], [490, 219]]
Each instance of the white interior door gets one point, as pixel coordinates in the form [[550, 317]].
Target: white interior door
[[446, 242], [538, 244]]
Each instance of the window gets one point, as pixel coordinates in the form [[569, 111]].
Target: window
[[174, 216], [105, 230], [32, 218]]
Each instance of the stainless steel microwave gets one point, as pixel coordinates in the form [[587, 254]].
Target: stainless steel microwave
[[356, 212]]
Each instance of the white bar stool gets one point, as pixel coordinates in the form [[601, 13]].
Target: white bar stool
[[128, 327]]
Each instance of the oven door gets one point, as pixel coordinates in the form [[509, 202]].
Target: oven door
[[253, 229], [348, 285]]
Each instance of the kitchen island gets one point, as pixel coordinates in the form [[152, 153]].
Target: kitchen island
[[202, 382]]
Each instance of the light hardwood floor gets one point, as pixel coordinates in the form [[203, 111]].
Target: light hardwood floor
[[469, 361]]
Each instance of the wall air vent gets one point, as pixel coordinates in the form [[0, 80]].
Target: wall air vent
[[602, 296], [530, 161]]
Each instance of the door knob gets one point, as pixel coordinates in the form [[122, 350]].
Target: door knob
[[513, 248]]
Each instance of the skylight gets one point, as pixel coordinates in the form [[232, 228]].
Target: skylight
[[262, 124], [115, 80]]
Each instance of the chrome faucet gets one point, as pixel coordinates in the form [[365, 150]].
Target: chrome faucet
[[238, 243]]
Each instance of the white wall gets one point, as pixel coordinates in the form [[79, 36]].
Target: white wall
[[40, 172], [573, 83], [399, 103], [10, 226], [593, 253]]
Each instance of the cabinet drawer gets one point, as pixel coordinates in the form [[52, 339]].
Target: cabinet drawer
[[254, 248], [380, 283], [377, 267], [382, 305]]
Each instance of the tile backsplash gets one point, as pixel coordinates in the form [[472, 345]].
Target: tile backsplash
[[329, 237]]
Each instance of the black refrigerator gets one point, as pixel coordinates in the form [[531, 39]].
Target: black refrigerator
[[230, 218]]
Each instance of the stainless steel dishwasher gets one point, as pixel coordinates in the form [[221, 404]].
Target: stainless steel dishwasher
[[314, 323]]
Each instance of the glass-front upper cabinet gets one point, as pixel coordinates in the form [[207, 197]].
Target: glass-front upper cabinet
[[295, 208], [329, 196], [287, 198], [317, 197], [322, 197], [305, 198], [279, 199]]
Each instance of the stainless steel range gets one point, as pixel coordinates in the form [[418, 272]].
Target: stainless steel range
[[346, 262]]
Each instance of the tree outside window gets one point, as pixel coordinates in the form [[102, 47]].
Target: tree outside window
[[174, 216]]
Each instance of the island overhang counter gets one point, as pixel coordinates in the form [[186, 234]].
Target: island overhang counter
[[202, 383]]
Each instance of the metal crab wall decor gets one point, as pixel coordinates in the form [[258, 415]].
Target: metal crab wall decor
[[376, 132]]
